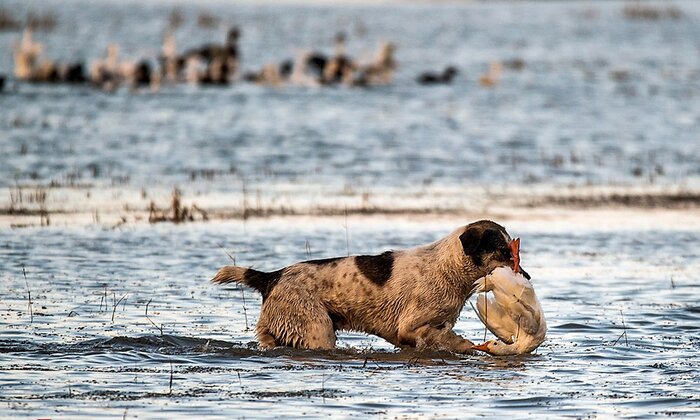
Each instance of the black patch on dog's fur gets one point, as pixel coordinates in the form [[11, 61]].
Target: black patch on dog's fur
[[377, 268], [323, 261], [261, 281], [470, 240]]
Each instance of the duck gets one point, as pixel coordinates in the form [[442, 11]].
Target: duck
[[513, 314], [105, 73], [171, 65], [339, 67], [221, 61], [380, 71], [27, 54], [433, 78]]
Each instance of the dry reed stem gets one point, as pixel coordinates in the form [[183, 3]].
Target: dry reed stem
[[170, 391], [151, 321], [29, 297], [624, 332], [114, 309]]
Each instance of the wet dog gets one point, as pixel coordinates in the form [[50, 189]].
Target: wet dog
[[411, 298]]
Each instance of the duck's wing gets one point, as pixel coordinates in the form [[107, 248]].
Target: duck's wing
[[529, 317], [527, 293], [495, 317]]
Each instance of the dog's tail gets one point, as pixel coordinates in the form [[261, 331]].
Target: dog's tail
[[230, 274], [259, 280]]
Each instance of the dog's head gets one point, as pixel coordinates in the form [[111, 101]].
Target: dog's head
[[488, 246]]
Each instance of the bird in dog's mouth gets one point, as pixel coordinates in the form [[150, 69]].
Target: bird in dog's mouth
[[514, 314]]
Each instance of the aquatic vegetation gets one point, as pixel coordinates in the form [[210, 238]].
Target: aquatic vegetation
[[177, 212]]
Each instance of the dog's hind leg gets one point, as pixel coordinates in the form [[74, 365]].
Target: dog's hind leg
[[295, 318]]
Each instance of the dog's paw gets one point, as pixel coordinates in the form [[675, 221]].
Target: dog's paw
[[466, 347]]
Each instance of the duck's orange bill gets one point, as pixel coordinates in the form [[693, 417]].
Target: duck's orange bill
[[481, 347], [515, 248]]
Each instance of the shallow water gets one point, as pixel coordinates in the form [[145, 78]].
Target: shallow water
[[123, 321], [562, 120], [74, 360]]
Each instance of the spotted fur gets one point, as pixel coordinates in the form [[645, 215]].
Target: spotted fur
[[411, 298]]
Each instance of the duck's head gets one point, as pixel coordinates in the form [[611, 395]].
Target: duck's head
[[489, 246]]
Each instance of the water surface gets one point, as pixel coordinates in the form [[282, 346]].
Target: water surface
[[124, 322], [621, 307]]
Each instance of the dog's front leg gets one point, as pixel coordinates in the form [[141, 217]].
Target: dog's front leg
[[439, 337]]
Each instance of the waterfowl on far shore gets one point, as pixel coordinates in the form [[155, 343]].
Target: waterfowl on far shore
[[104, 72], [27, 53], [221, 62], [433, 78], [209, 64]]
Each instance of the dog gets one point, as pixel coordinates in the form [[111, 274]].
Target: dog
[[411, 298]]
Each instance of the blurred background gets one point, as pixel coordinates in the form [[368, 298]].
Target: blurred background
[[582, 103]]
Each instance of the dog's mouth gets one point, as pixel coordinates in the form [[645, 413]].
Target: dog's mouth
[[515, 249]]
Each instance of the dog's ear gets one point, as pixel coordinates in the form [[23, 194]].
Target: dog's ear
[[478, 239], [471, 238]]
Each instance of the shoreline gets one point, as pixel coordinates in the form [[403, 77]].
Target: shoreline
[[592, 208]]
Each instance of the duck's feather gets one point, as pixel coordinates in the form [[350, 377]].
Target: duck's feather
[[530, 319], [514, 313], [495, 317]]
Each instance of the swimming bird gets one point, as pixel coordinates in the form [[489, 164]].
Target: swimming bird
[[433, 78], [514, 314]]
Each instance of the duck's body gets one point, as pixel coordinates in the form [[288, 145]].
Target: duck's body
[[432, 78], [513, 314]]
